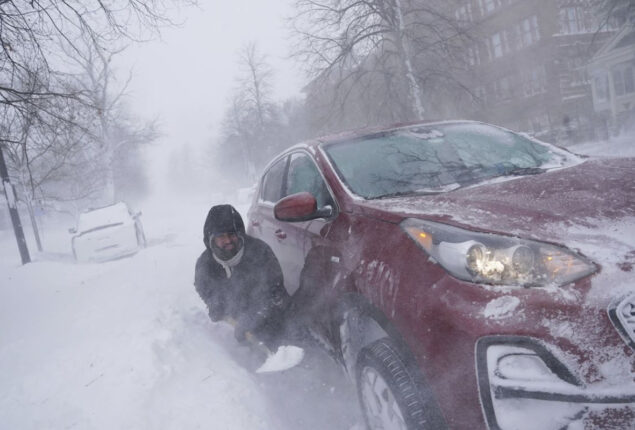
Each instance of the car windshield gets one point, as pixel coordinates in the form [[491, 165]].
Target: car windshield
[[117, 213], [437, 158]]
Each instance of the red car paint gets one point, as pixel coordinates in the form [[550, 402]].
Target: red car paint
[[362, 249]]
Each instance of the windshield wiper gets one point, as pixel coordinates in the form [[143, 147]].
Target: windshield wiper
[[522, 171], [406, 193], [421, 192]]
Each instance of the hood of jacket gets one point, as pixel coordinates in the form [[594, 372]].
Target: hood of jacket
[[222, 219]]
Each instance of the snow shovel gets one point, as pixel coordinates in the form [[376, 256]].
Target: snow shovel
[[284, 358]]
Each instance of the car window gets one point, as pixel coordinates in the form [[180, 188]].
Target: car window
[[272, 182], [304, 176], [436, 158]]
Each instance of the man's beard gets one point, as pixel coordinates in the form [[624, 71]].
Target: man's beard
[[227, 253]]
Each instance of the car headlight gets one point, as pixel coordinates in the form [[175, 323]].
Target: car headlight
[[496, 259]]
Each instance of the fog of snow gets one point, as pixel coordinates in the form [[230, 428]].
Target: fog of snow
[[127, 344]]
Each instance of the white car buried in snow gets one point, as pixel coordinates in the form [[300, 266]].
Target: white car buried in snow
[[106, 233]]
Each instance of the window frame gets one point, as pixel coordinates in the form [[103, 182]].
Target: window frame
[[306, 153], [601, 84], [626, 81], [284, 159]]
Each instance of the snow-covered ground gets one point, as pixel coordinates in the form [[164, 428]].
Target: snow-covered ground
[[620, 146], [127, 344]]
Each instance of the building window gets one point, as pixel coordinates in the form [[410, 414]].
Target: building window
[[572, 20], [488, 6], [577, 72], [464, 13], [473, 56], [534, 81], [601, 84], [623, 81], [529, 31], [513, 40], [497, 45]]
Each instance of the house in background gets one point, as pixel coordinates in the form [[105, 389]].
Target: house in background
[[612, 71], [527, 65]]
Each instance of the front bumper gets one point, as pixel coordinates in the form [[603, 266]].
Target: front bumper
[[523, 385]]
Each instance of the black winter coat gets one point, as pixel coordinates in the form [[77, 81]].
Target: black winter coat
[[254, 295]]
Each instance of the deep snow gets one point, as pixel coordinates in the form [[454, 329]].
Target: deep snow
[[127, 344]]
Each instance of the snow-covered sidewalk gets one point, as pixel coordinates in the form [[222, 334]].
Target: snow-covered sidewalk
[[127, 345]]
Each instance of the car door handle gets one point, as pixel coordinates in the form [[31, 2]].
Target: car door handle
[[280, 234]]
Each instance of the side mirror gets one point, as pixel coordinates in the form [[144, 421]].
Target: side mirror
[[72, 230], [325, 212], [296, 207]]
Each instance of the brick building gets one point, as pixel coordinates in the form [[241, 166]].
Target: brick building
[[612, 71], [527, 65]]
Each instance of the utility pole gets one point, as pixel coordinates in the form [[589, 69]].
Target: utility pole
[[12, 202]]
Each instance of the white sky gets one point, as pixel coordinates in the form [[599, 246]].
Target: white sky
[[185, 78]]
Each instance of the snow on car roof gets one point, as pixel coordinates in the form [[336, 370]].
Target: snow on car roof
[[112, 214]]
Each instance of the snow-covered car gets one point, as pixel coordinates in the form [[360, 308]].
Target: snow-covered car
[[464, 275], [106, 233]]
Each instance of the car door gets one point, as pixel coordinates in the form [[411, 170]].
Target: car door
[[302, 175], [261, 221]]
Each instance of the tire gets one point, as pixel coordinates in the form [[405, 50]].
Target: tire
[[388, 392]]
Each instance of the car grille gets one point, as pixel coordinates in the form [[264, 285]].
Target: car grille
[[622, 314]]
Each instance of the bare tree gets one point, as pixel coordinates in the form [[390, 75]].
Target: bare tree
[[255, 83], [110, 129], [43, 151], [251, 117], [239, 132], [31, 69], [46, 121], [30, 28], [350, 43], [615, 11]]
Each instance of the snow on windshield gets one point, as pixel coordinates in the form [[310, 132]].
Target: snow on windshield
[[436, 158], [117, 213]]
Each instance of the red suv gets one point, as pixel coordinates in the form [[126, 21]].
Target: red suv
[[464, 275]]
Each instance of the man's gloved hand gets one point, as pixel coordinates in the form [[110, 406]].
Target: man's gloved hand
[[215, 313], [240, 334]]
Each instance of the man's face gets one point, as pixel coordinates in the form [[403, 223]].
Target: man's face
[[226, 241]]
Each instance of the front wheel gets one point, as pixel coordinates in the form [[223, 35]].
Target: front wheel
[[389, 396]]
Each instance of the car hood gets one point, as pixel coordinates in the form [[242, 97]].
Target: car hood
[[589, 207]]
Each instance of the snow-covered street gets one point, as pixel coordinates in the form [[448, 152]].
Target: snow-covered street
[[127, 344]]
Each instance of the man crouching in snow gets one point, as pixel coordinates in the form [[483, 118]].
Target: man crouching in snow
[[239, 278]]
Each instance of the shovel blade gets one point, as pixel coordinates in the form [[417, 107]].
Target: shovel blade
[[286, 357]]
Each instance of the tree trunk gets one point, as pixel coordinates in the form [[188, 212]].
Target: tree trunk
[[27, 191], [414, 91], [109, 190], [9, 192], [36, 230]]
